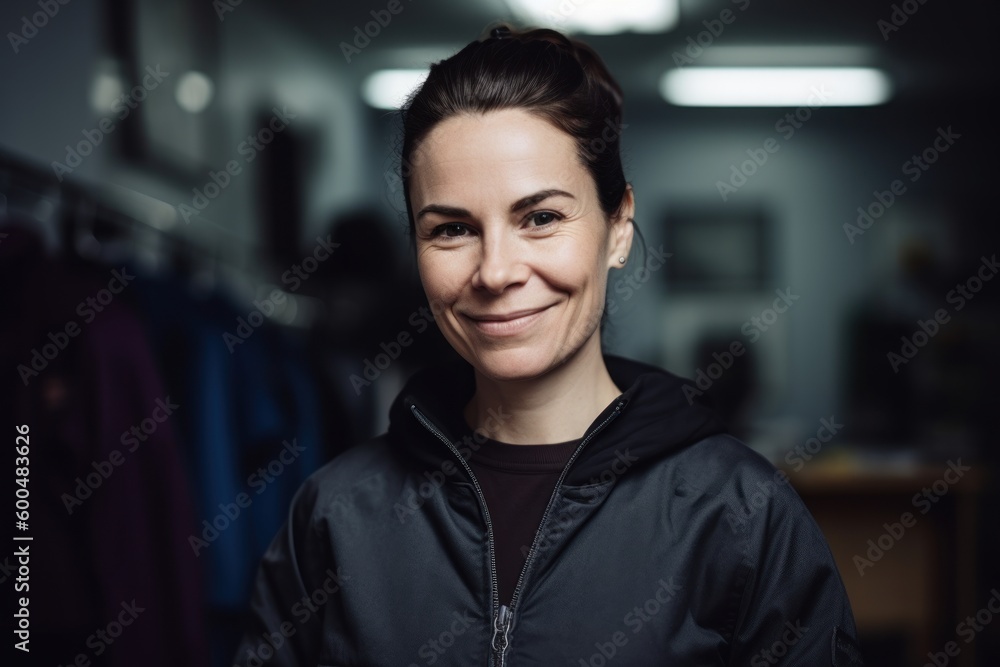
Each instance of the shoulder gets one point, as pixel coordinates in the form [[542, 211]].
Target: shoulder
[[358, 476], [370, 457], [751, 490], [722, 464]]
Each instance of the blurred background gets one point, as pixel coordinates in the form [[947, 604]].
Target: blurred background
[[207, 277]]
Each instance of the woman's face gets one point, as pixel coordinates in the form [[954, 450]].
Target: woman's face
[[512, 246]]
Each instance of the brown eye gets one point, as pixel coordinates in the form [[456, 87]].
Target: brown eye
[[450, 229], [541, 218]]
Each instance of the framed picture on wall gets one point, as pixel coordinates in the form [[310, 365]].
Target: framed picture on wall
[[163, 62], [718, 248]]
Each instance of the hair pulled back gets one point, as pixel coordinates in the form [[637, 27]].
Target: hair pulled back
[[541, 71]]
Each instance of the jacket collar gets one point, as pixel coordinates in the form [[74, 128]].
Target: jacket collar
[[654, 418]]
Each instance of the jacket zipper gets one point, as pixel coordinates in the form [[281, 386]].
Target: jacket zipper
[[497, 608], [503, 615], [501, 625]]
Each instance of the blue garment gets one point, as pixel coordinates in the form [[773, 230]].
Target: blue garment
[[247, 403]]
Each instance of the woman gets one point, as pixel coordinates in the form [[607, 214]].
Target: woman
[[541, 503]]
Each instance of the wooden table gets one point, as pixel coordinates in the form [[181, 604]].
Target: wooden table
[[925, 583]]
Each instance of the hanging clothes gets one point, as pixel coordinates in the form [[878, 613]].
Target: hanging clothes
[[252, 432], [109, 518]]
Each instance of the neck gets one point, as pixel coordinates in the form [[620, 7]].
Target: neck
[[555, 407]]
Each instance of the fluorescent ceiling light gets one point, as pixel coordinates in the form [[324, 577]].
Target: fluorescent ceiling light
[[194, 91], [775, 86], [788, 55], [105, 91], [106, 87], [388, 88], [598, 17]]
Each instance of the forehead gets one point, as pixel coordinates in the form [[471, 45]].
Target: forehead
[[503, 153]]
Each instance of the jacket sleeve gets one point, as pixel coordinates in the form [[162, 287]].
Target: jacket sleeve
[[794, 608], [285, 621]]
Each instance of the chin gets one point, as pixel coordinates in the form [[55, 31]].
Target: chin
[[513, 364]]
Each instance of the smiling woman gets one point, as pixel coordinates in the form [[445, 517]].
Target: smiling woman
[[540, 502], [513, 245]]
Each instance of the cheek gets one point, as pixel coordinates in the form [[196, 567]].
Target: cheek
[[441, 276], [579, 266]]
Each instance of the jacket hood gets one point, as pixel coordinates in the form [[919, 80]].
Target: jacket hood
[[651, 418]]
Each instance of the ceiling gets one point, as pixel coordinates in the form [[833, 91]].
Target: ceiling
[[943, 48]]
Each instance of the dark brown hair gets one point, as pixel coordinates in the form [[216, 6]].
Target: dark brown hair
[[541, 71]]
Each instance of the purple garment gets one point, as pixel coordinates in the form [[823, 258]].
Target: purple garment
[[110, 513]]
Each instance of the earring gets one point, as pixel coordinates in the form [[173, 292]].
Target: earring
[[621, 260]]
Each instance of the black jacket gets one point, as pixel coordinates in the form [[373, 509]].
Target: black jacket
[[666, 542]]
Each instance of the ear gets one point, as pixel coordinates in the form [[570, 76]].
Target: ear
[[622, 230]]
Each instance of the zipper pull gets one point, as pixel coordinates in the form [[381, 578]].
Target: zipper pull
[[500, 627]]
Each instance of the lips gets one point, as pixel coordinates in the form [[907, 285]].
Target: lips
[[506, 324]]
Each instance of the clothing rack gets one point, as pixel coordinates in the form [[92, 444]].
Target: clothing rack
[[103, 222]]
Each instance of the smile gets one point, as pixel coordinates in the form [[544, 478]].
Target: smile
[[508, 324]]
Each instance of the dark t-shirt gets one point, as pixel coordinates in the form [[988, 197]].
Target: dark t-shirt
[[517, 481]]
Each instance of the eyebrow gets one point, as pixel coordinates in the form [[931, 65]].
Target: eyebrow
[[522, 203]]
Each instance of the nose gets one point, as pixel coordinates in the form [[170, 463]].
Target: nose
[[501, 264]]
